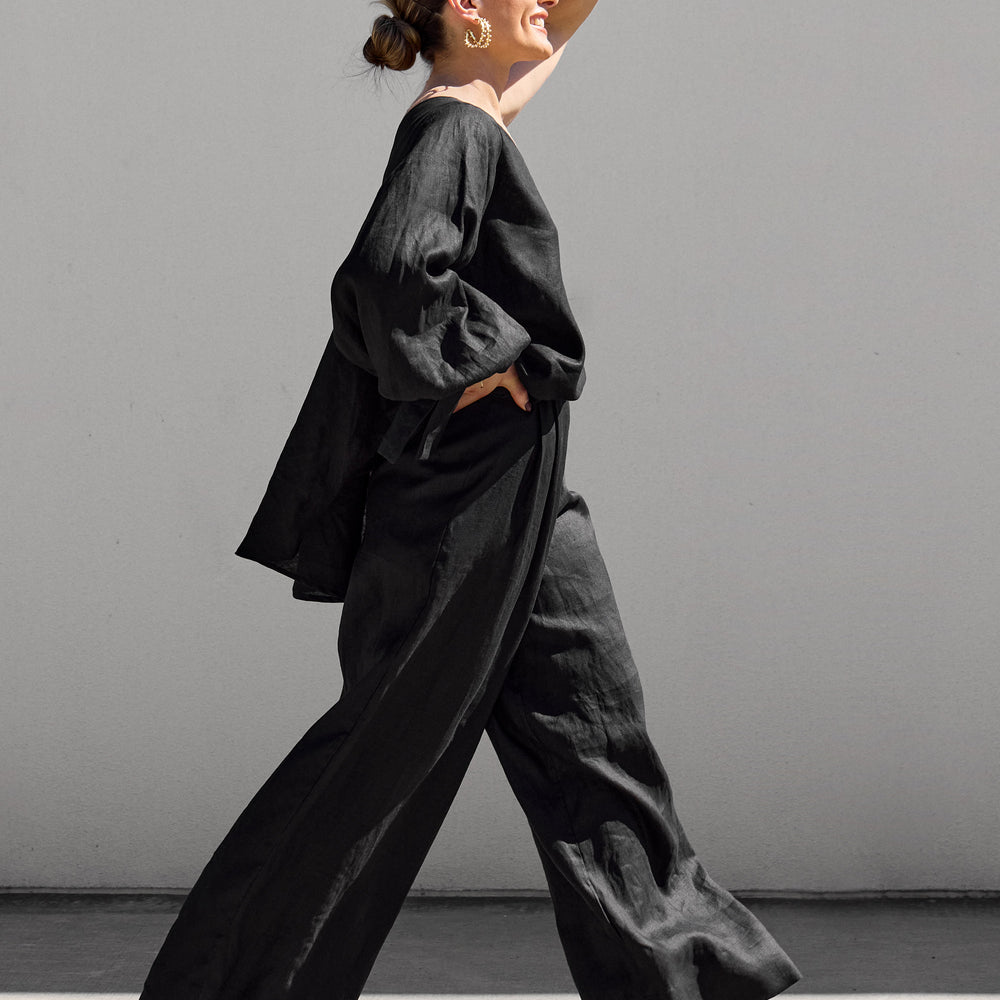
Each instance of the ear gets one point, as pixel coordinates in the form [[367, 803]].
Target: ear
[[465, 9]]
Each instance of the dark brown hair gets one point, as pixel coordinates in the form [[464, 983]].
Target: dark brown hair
[[413, 26]]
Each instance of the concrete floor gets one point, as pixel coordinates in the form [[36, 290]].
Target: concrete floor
[[88, 947]]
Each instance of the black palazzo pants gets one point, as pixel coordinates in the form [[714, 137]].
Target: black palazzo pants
[[478, 601]]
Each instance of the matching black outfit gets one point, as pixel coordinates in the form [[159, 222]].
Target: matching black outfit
[[475, 599]]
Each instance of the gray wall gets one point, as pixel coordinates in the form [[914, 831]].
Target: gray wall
[[780, 224]]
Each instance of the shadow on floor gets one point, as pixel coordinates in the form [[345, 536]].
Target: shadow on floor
[[79, 944]]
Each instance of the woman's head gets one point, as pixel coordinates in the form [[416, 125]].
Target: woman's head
[[434, 28]]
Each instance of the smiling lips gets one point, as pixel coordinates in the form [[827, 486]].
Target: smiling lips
[[538, 21]]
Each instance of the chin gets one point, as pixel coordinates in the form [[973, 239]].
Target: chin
[[539, 51], [535, 47]]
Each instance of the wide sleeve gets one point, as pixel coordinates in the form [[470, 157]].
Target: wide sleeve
[[402, 307]]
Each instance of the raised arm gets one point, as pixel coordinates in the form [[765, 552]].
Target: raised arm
[[527, 77]]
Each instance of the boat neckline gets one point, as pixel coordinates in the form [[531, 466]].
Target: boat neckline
[[458, 100]]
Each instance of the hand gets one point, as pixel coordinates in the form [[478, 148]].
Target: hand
[[509, 380]]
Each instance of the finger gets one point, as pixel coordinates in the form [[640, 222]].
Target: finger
[[522, 398], [517, 391]]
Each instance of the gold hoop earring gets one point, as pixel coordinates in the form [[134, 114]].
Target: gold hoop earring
[[485, 35]]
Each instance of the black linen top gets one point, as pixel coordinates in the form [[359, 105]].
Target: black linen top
[[455, 275]]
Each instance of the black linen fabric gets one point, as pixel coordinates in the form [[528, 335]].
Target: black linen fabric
[[456, 272], [478, 601], [475, 600], [454, 276]]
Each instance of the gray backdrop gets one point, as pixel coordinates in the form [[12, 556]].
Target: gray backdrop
[[780, 228]]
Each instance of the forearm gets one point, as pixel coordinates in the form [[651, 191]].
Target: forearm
[[423, 346], [526, 78], [565, 18]]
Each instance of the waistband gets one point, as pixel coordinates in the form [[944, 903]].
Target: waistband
[[407, 420]]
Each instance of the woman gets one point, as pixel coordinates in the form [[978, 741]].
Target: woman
[[422, 485]]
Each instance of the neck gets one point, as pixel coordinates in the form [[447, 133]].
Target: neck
[[473, 80]]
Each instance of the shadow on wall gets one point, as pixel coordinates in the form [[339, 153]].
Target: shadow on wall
[[61, 946]]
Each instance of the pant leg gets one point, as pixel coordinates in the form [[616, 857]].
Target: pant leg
[[298, 898], [637, 914]]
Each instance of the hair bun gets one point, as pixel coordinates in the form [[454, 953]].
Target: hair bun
[[394, 43]]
